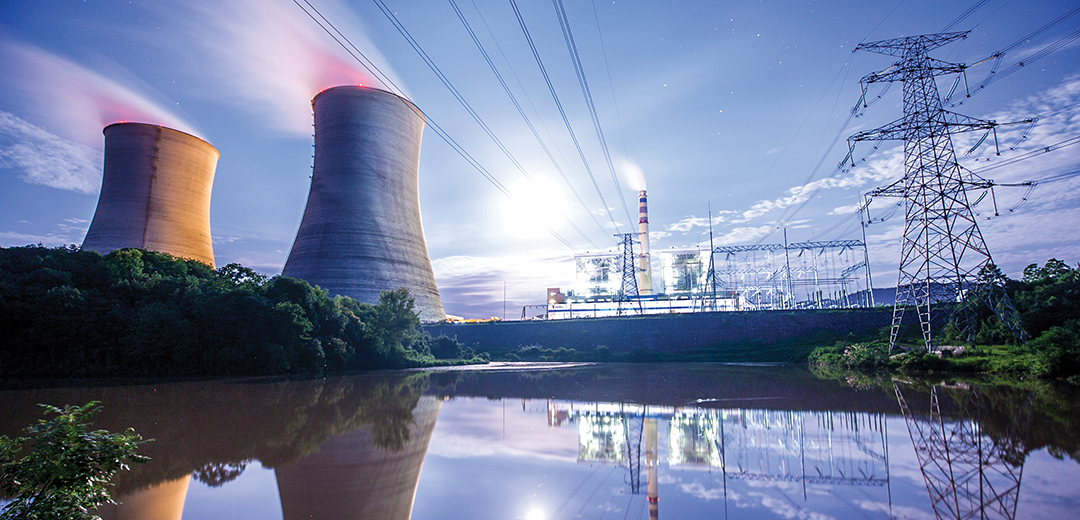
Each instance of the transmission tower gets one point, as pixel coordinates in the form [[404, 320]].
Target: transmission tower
[[629, 291], [967, 474], [942, 251]]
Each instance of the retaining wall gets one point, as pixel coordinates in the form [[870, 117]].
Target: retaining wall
[[665, 333]]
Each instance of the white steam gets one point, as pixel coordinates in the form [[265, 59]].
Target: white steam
[[72, 100], [270, 57]]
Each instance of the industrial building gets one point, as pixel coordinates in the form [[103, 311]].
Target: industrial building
[[155, 193], [361, 232]]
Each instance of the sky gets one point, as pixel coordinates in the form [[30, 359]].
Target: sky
[[739, 108]]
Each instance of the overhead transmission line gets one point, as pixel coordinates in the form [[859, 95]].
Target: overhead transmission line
[[359, 56], [562, 112], [611, 84], [525, 117], [994, 75], [571, 46], [963, 16], [461, 99], [368, 65]]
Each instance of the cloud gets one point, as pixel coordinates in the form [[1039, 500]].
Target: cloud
[[743, 235], [73, 100], [896, 511], [270, 57], [845, 210], [697, 490], [472, 286], [15, 239], [688, 223], [874, 172], [47, 159]]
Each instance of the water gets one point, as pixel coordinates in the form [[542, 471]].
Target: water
[[589, 441]]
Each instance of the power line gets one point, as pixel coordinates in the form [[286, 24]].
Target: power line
[[562, 112], [964, 15], [611, 84], [571, 46], [521, 111], [449, 85], [364, 62]]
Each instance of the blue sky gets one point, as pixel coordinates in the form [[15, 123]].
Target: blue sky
[[740, 105]]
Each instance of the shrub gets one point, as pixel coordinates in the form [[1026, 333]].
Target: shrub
[[67, 470]]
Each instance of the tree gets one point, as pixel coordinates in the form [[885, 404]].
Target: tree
[[67, 470]]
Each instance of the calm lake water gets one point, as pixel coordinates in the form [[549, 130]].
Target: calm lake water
[[589, 441]]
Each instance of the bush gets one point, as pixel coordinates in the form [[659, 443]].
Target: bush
[[444, 347], [1057, 351], [68, 468]]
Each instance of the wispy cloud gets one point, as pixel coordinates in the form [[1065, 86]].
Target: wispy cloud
[[743, 235], [46, 159], [689, 223], [891, 166], [472, 286], [72, 100]]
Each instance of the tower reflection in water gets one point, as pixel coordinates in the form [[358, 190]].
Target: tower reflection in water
[[968, 473], [807, 448]]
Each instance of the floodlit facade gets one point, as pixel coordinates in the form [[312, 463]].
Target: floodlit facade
[[361, 232], [155, 193]]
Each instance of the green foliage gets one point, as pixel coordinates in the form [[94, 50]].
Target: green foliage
[[1057, 351], [1047, 301], [68, 468], [864, 356], [444, 347], [66, 312]]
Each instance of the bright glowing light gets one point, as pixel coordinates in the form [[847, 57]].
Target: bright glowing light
[[534, 514], [536, 203]]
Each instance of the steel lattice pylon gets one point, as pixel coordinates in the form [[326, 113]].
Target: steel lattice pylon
[[967, 474], [629, 291], [942, 250]]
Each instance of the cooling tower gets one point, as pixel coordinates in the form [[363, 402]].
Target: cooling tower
[[155, 193], [361, 232]]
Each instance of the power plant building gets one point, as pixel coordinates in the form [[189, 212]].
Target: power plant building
[[155, 193], [361, 233]]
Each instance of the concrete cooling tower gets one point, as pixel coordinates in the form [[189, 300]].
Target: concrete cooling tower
[[155, 193], [361, 232]]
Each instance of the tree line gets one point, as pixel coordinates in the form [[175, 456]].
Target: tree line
[[65, 312]]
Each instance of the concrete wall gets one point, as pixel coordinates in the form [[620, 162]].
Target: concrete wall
[[361, 232], [155, 193], [665, 333]]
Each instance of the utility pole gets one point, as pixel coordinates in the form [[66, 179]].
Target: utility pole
[[942, 251]]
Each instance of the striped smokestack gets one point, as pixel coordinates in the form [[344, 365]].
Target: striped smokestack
[[644, 263]]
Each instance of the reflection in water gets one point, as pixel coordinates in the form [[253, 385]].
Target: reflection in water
[[704, 441], [806, 448], [164, 501], [351, 477], [968, 474]]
